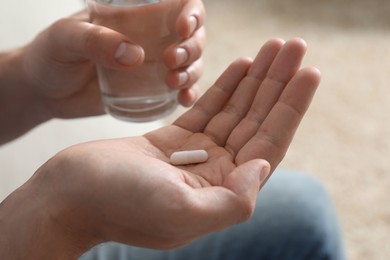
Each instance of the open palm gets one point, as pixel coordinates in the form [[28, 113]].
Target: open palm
[[252, 112], [245, 122], [247, 119]]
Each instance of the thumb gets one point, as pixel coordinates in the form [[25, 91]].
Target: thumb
[[74, 40], [247, 179], [234, 202]]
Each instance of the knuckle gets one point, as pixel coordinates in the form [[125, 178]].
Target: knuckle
[[247, 210], [196, 50], [57, 26], [92, 36], [195, 71], [201, 34], [195, 46]]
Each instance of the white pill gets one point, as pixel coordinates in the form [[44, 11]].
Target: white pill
[[189, 157]]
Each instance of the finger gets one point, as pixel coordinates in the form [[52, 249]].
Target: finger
[[274, 136], [185, 78], [215, 98], [184, 53], [247, 179], [191, 18], [188, 96], [220, 207], [221, 126], [79, 40], [285, 65]]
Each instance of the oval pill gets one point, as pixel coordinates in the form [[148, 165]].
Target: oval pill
[[189, 157]]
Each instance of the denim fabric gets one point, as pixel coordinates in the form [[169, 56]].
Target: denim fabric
[[294, 219]]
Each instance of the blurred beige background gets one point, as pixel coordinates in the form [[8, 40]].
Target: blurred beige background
[[345, 138], [343, 141]]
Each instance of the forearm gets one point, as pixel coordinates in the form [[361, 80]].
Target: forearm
[[38, 222], [20, 108], [26, 229]]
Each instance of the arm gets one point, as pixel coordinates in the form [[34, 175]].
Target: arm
[[20, 109], [54, 76], [126, 190], [28, 227]]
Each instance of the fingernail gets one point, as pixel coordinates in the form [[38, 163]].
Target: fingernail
[[127, 54], [264, 174], [181, 56], [193, 24], [183, 78]]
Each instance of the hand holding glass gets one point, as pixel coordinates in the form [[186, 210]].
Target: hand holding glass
[[139, 94]]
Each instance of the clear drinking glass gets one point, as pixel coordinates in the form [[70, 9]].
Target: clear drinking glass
[[141, 94]]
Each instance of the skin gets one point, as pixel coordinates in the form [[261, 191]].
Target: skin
[[126, 190], [54, 76]]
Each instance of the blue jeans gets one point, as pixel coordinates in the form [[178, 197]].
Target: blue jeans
[[294, 219]]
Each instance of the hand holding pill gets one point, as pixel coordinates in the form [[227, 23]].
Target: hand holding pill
[[202, 173]]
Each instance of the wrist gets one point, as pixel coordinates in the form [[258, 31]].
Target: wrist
[[42, 220], [21, 108]]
